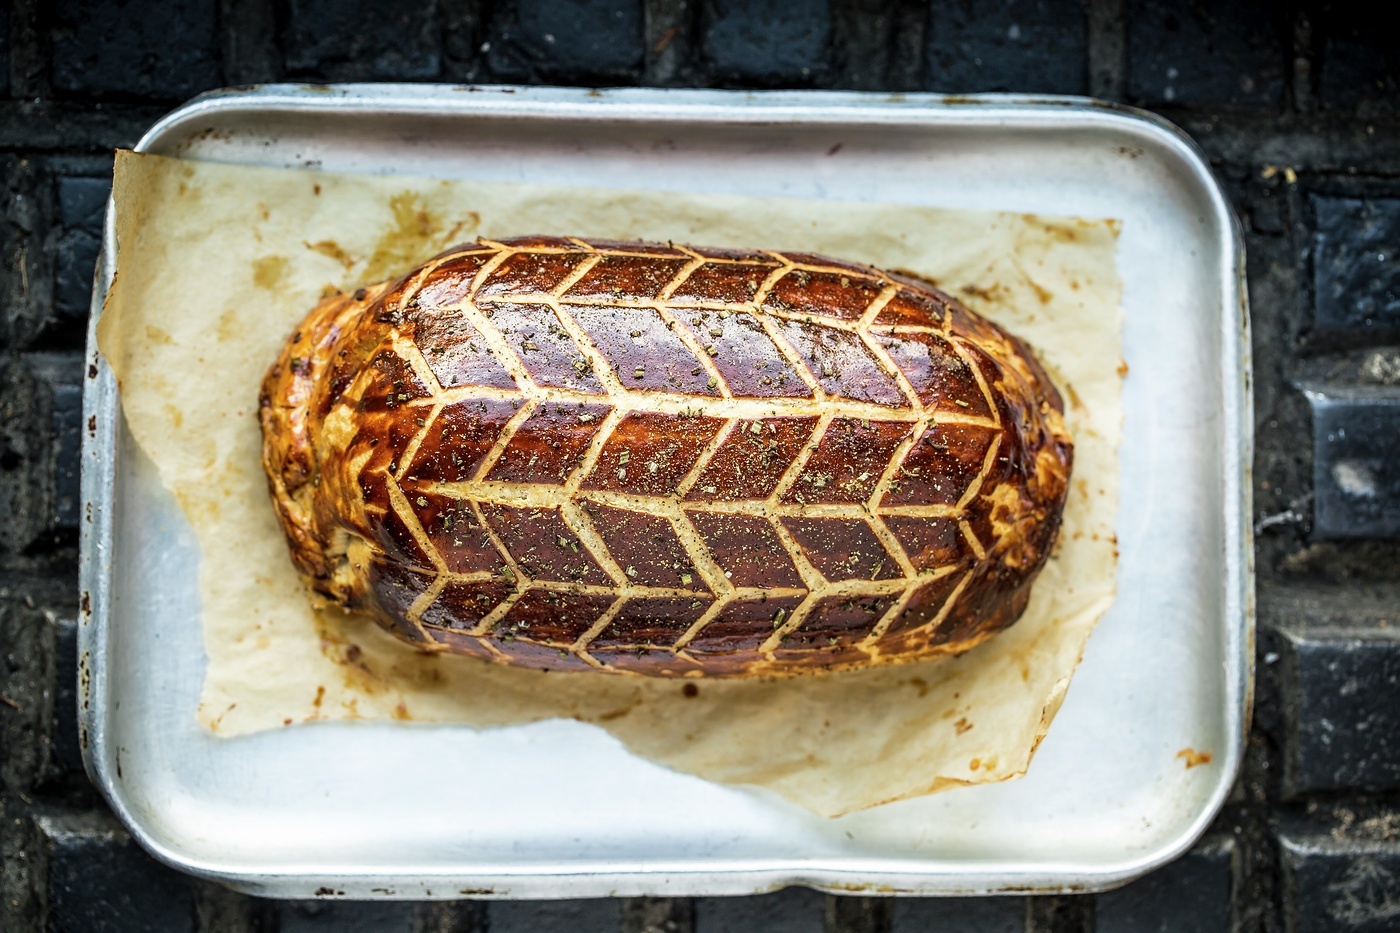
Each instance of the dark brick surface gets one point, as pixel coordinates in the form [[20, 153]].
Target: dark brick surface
[[463, 32], [1360, 62], [66, 758], [658, 915], [852, 913], [99, 881], [25, 234], [346, 917], [1022, 45], [568, 41], [25, 647], [574, 39], [959, 915], [1356, 272], [1356, 462], [67, 425], [1205, 53], [767, 42], [878, 46], [1296, 105], [1342, 881], [61, 376], [164, 49], [75, 126], [791, 910], [4, 51], [221, 911], [359, 40], [82, 203], [580, 916], [1343, 725], [250, 54], [1191, 895], [26, 456]]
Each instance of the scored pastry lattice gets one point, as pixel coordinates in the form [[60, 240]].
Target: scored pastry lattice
[[783, 506]]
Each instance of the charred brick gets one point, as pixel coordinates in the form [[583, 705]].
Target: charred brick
[[582, 37], [1218, 54], [768, 41], [959, 915], [248, 35], [165, 50], [1342, 729], [357, 40], [61, 378], [574, 41], [347, 917], [82, 204], [1356, 462], [4, 51], [26, 222], [595, 915], [1359, 68], [65, 756], [99, 880], [1333, 881], [26, 456], [73, 126], [791, 910], [1192, 894], [26, 643], [1038, 46], [1356, 273]]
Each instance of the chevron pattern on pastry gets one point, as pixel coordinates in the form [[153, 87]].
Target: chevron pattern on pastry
[[665, 460]]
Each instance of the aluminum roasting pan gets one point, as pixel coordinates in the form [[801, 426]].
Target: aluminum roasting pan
[[337, 810]]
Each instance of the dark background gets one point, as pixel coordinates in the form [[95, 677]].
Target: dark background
[[1295, 104]]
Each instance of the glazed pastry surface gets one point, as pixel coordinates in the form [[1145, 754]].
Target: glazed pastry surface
[[665, 460]]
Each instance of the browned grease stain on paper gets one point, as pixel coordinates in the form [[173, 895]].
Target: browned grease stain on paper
[[416, 232], [230, 327], [337, 646], [332, 250], [270, 272]]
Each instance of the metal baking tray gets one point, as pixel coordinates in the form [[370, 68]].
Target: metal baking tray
[[560, 809]]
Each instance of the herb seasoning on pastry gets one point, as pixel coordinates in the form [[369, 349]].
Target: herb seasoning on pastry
[[675, 461]]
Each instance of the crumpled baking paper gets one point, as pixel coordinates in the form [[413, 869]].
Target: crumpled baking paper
[[218, 263]]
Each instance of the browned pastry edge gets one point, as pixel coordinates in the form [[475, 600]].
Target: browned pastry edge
[[583, 455]]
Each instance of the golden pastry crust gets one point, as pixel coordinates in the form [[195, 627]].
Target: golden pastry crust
[[665, 460]]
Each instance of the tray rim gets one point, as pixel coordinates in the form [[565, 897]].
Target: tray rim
[[735, 108]]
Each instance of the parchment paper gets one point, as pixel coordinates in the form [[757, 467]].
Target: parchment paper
[[218, 263]]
